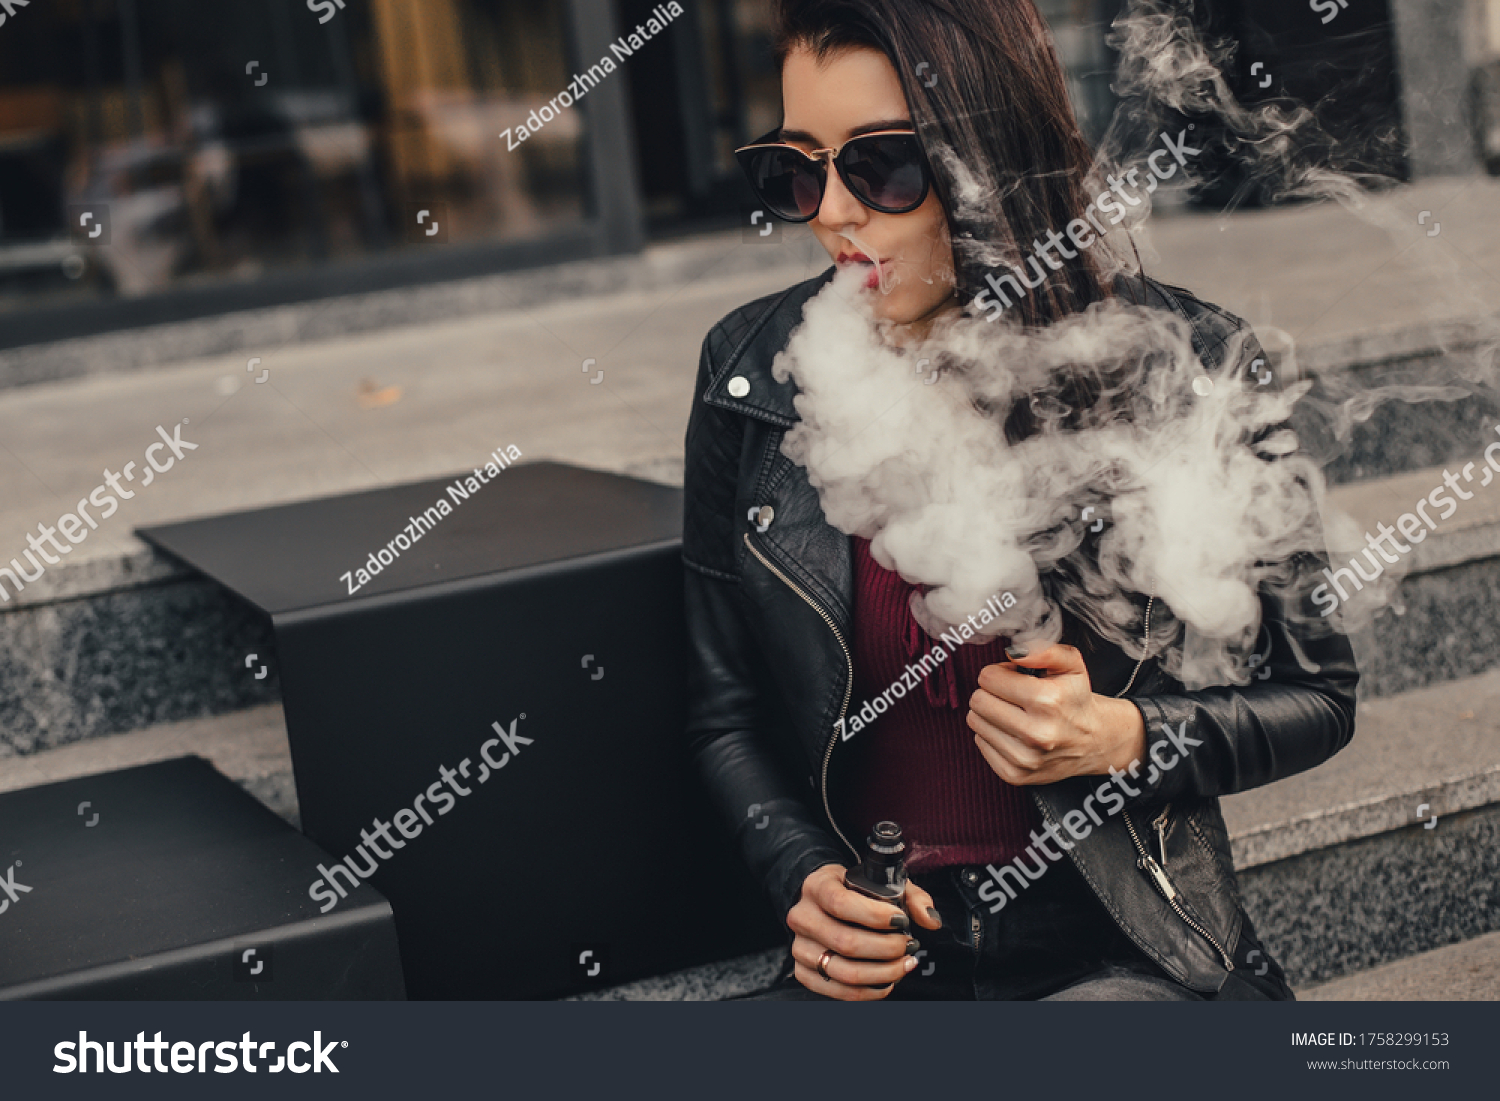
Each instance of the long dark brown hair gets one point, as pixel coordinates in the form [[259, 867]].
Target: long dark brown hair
[[983, 82]]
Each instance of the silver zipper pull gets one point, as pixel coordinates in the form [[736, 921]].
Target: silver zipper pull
[[1160, 825], [1154, 870]]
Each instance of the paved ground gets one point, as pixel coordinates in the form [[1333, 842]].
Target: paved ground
[[425, 400], [1318, 273], [435, 399], [1464, 972]]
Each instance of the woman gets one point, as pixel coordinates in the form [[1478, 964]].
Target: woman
[[1104, 773]]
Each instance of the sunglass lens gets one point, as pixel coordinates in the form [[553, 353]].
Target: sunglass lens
[[886, 171], [786, 181]]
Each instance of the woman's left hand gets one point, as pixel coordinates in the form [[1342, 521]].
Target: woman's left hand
[[1038, 730]]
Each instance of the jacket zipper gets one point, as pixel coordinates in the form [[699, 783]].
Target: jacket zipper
[[1158, 876], [1145, 646], [1157, 872], [848, 688]]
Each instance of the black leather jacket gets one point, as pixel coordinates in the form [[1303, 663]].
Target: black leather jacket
[[770, 672]]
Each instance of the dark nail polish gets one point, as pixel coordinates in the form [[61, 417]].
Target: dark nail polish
[[933, 914], [1015, 653], [900, 921], [913, 946]]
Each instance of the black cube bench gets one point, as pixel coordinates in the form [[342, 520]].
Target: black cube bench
[[167, 881], [489, 727]]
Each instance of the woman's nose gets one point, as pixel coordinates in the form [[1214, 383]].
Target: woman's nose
[[839, 208]]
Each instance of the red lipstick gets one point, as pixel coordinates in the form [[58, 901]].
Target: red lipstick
[[873, 280]]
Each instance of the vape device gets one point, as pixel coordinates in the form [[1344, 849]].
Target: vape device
[[882, 873]]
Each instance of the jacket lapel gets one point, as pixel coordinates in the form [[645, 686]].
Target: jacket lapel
[[743, 382], [800, 538]]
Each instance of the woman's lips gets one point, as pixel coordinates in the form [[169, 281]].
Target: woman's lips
[[873, 279]]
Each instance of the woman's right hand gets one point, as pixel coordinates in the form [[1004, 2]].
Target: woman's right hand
[[869, 953]]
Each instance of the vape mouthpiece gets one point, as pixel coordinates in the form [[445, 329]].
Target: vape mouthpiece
[[882, 872], [886, 838]]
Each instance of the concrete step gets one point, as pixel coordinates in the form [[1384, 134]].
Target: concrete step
[[1465, 972], [1441, 623], [1399, 436], [1340, 873], [1389, 849], [248, 746]]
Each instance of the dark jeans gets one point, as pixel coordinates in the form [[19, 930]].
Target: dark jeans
[[1055, 941]]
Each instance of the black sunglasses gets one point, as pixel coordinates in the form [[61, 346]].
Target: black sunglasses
[[886, 171]]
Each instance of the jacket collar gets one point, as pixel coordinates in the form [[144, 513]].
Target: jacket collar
[[743, 383]]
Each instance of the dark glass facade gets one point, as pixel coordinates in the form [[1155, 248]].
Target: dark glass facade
[[225, 141], [167, 148]]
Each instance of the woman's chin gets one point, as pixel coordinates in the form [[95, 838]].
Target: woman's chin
[[893, 308], [901, 311]]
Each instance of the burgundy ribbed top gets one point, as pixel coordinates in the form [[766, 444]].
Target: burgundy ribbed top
[[917, 763]]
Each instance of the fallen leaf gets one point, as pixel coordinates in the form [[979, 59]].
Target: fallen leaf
[[372, 396]]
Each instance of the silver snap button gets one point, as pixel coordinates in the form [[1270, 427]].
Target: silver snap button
[[739, 386], [765, 516], [971, 878]]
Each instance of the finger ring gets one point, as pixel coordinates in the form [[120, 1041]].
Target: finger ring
[[823, 964]]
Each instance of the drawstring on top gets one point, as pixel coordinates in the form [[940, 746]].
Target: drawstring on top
[[940, 687]]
